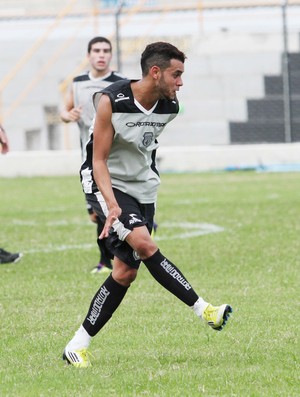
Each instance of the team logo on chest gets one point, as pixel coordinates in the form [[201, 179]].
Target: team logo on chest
[[147, 138]]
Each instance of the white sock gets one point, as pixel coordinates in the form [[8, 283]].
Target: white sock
[[80, 340], [200, 306]]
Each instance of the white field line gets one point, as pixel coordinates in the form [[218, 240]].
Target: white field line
[[60, 222], [57, 248], [180, 230], [190, 230]]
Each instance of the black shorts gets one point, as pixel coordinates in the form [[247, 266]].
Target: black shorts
[[134, 214], [89, 208]]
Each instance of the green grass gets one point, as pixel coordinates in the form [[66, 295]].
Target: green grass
[[154, 345]]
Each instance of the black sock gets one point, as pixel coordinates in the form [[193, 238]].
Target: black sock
[[103, 305], [167, 274]]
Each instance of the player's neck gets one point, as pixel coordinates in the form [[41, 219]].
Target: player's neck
[[96, 74], [144, 94]]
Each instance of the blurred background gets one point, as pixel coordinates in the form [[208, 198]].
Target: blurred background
[[241, 80]]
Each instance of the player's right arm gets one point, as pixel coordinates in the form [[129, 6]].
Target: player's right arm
[[103, 137], [70, 112]]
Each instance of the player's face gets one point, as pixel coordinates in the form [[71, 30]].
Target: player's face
[[170, 80], [100, 57]]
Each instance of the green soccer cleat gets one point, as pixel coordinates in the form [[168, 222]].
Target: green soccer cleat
[[79, 358], [216, 316]]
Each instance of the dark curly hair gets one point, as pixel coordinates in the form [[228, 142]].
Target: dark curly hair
[[160, 54]]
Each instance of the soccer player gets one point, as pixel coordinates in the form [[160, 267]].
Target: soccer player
[[5, 256], [120, 180], [79, 108]]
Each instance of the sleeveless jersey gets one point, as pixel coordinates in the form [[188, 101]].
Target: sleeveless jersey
[[84, 86], [131, 161]]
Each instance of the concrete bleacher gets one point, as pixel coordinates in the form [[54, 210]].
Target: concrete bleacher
[[266, 115]]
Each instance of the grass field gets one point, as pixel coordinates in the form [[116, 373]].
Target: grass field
[[236, 238]]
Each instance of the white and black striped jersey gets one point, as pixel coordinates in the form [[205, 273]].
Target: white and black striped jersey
[[131, 161], [84, 86]]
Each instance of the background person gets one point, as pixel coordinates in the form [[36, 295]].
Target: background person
[[5, 256], [79, 108]]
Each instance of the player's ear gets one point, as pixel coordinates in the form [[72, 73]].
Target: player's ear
[[155, 72]]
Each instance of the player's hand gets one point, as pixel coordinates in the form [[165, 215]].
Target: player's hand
[[113, 215], [75, 113]]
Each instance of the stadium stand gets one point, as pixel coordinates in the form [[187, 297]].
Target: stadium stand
[[266, 115]]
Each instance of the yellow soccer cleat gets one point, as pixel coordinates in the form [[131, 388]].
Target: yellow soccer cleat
[[101, 269], [216, 316], [78, 358]]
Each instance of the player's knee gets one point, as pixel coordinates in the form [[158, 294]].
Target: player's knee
[[146, 248], [124, 277]]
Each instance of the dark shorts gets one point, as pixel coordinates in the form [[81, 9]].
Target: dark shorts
[[89, 208], [134, 214]]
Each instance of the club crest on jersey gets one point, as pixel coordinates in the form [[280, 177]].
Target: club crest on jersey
[[147, 138]]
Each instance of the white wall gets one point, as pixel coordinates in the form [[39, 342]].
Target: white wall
[[170, 159]]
